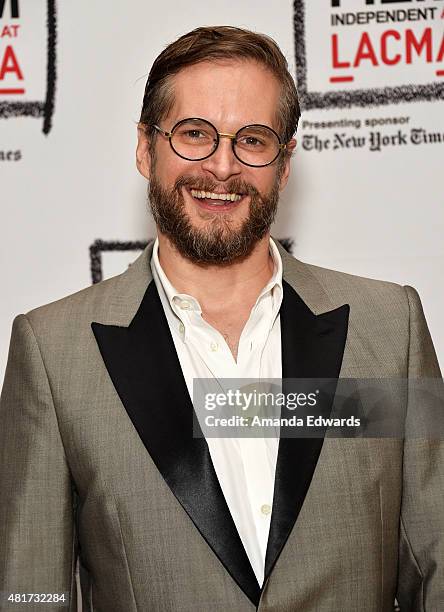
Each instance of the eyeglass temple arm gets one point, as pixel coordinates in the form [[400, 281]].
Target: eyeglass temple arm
[[159, 129]]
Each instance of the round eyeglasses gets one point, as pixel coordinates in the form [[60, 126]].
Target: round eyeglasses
[[196, 139]]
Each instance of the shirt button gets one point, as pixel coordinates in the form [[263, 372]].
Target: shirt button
[[214, 346], [182, 328], [185, 305], [265, 509]]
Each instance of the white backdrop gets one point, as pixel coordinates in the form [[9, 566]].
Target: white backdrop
[[373, 213]]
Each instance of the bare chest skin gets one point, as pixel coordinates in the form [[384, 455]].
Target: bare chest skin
[[227, 305], [230, 324], [229, 318]]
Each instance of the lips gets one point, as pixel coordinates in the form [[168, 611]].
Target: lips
[[212, 200], [215, 195]]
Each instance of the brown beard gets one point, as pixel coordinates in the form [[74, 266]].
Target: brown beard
[[218, 243]]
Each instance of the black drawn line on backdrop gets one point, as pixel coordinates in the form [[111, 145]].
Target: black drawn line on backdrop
[[354, 97], [40, 109], [100, 246], [51, 69]]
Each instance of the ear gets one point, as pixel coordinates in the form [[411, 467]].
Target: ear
[[143, 157], [291, 145]]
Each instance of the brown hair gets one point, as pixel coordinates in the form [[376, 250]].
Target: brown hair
[[218, 43]]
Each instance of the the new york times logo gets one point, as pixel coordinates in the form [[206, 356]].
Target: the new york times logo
[[18, 39], [366, 52]]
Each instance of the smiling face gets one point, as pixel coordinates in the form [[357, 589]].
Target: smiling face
[[243, 200]]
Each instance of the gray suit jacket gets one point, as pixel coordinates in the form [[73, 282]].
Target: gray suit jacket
[[97, 460]]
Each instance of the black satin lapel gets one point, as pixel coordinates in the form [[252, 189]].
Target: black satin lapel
[[312, 347], [145, 370]]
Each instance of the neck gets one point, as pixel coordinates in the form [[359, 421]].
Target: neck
[[238, 281]]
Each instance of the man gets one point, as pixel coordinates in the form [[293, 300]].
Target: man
[[97, 450]]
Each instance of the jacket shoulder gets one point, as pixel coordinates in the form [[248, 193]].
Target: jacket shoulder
[[88, 302], [113, 301], [355, 286], [359, 292]]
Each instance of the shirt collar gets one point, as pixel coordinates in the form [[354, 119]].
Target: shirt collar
[[174, 296], [276, 279], [168, 288]]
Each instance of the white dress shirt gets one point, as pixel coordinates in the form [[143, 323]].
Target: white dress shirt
[[245, 467]]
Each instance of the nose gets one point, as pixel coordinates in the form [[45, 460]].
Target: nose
[[223, 164]]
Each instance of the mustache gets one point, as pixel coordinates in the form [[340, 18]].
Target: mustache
[[206, 184]]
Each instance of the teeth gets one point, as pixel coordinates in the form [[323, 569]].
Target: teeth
[[233, 197]]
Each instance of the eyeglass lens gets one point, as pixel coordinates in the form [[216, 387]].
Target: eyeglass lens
[[196, 139]]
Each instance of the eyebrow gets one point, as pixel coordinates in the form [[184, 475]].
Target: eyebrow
[[252, 122]]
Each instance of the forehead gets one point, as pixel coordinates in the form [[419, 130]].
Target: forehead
[[230, 94]]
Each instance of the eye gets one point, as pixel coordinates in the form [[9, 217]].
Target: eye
[[251, 141], [193, 134]]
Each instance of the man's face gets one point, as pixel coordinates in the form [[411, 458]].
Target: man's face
[[230, 96]]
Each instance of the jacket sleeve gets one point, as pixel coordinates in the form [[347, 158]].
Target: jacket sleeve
[[37, 537], [421, 535]]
